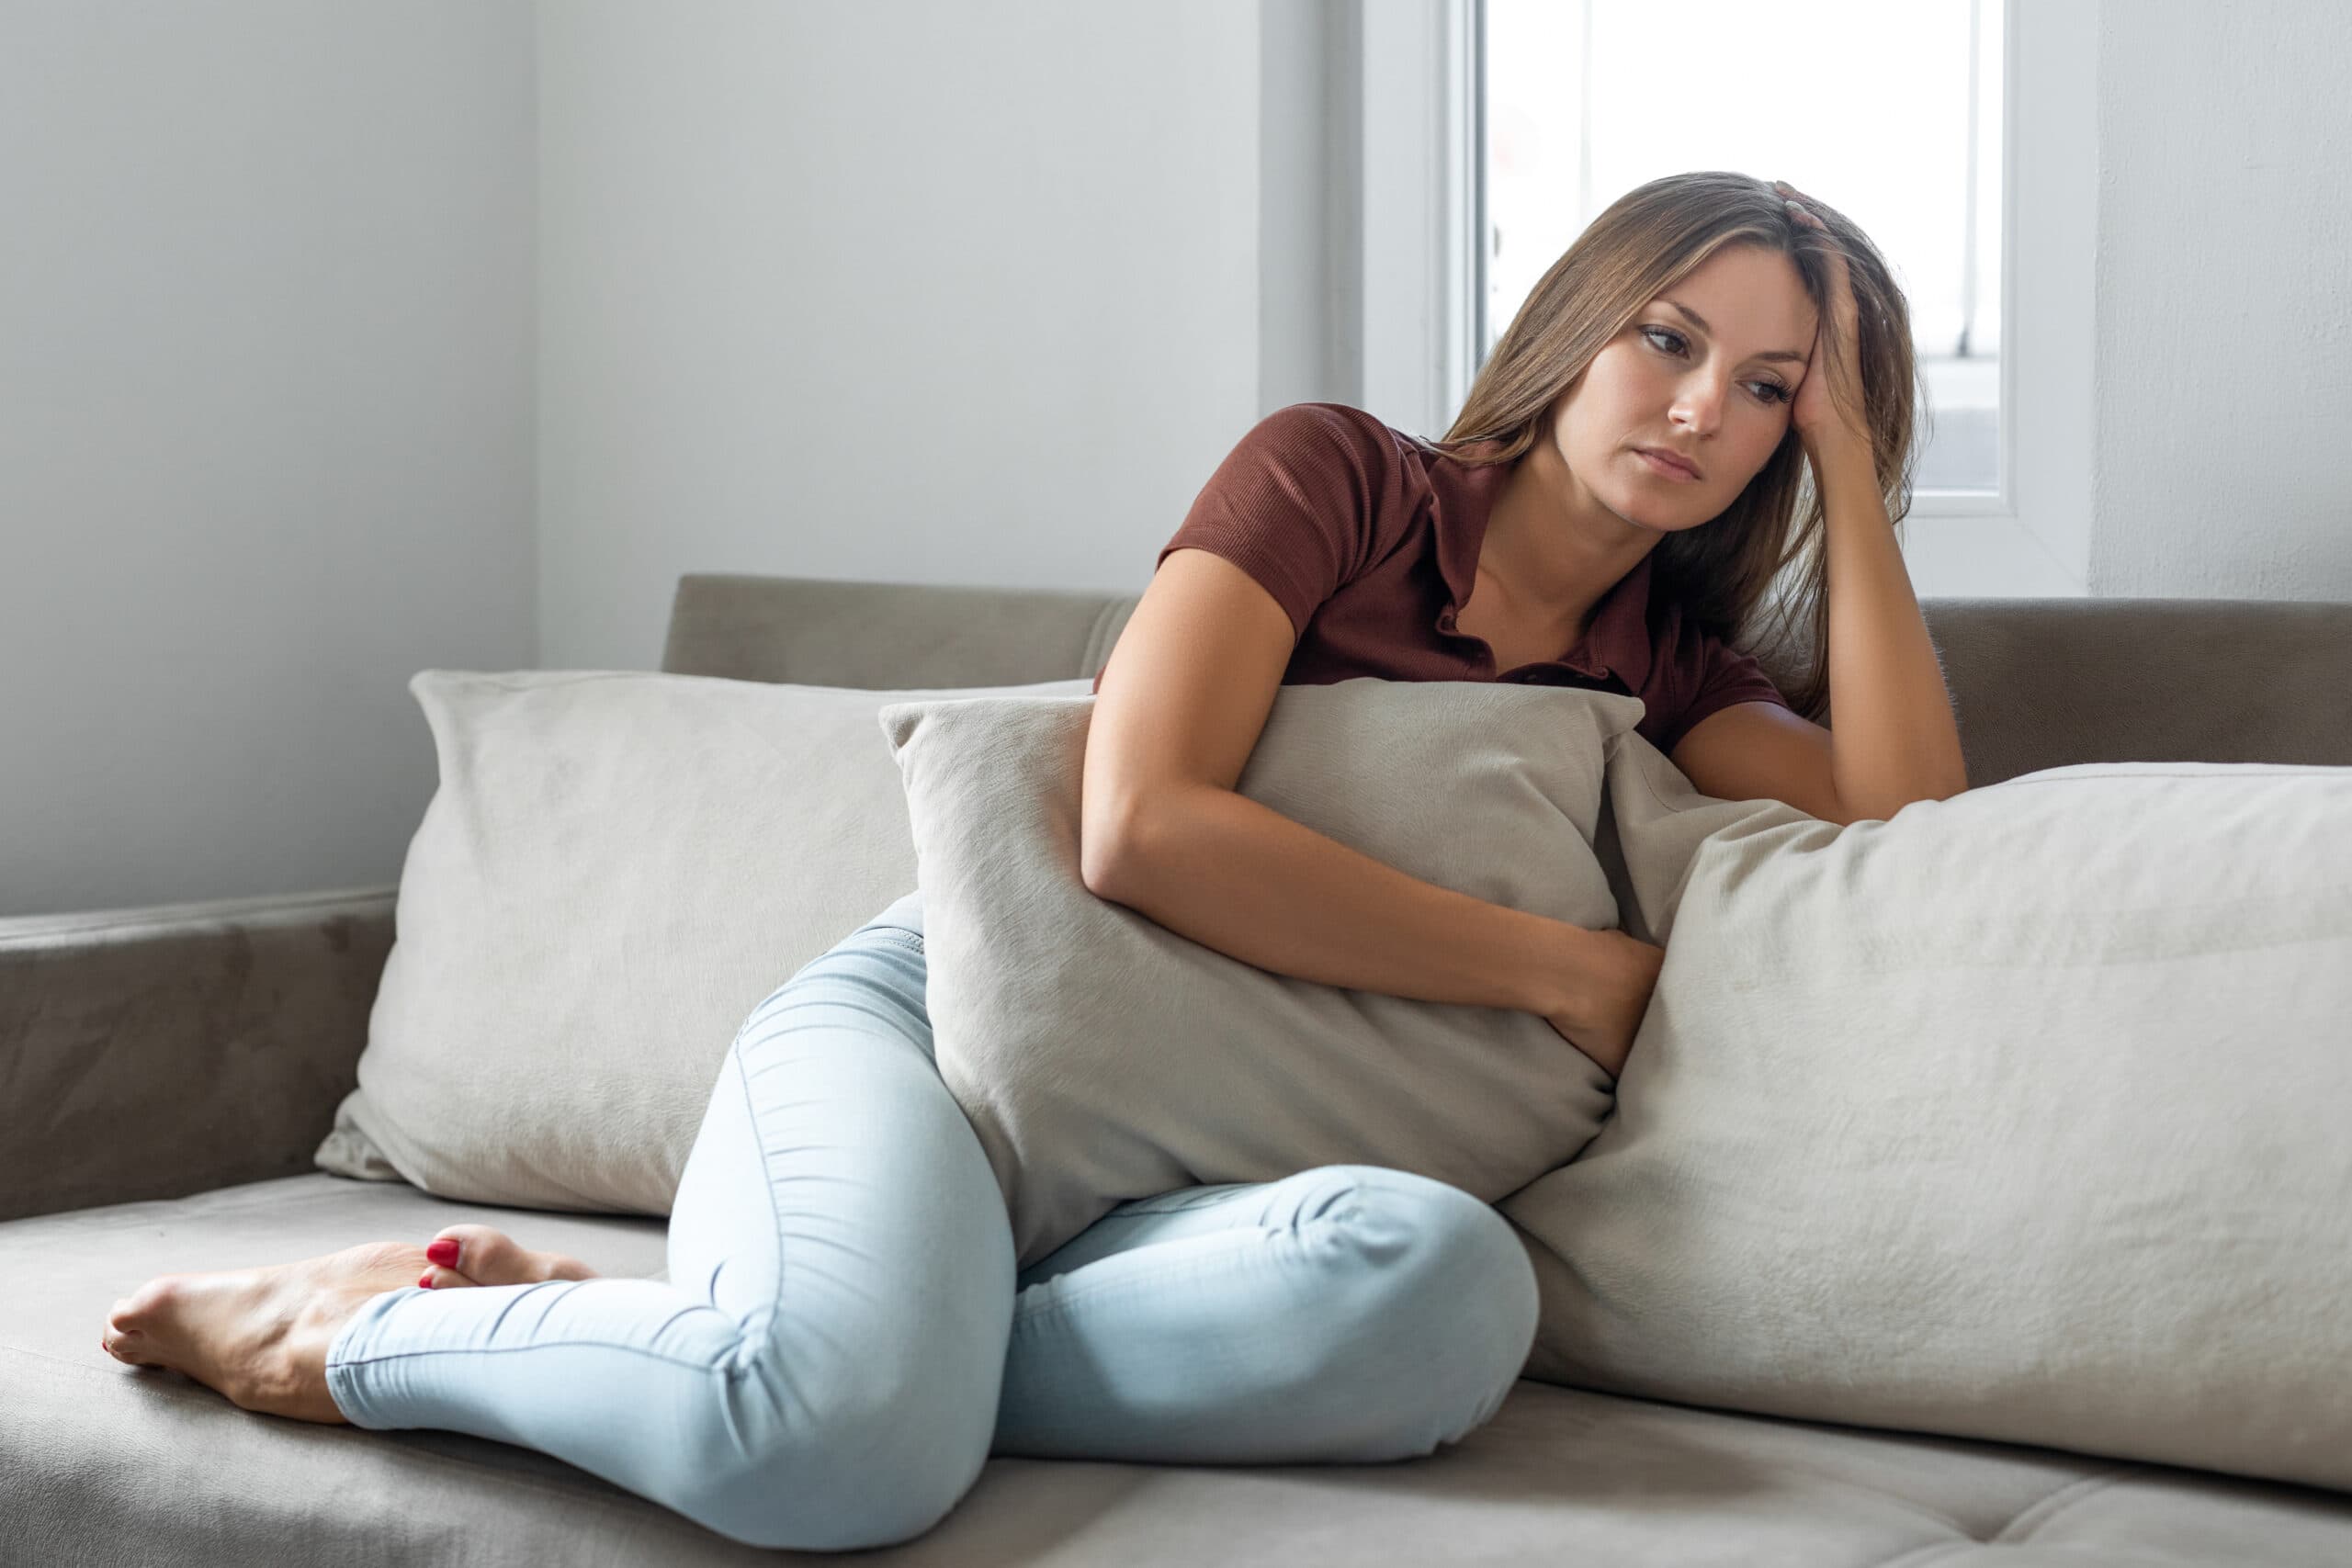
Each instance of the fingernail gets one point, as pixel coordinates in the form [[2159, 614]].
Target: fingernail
[[444, 1252], [424, 1281]]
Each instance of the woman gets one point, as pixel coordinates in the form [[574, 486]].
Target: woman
[[843, 1338]]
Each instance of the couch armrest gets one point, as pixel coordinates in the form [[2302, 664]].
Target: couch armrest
[[159, 1052]]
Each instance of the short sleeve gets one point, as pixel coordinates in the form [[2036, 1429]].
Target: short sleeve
[[1724, 676], [1294, 503]]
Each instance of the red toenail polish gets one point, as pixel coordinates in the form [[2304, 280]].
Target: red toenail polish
[[425, 1281], [444, 1252]]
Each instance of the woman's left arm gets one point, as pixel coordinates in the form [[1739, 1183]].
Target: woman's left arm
[[1895, 739]]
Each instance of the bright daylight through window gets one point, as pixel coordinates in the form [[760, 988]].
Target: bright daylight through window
[[1889, 112]]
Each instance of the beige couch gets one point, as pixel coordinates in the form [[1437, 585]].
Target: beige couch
[[167, 1073]]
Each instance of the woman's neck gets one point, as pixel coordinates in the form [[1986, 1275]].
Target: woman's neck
[[1541, 543]]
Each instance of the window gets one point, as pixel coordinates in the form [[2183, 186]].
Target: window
[[1585, 99], [1515, 122]]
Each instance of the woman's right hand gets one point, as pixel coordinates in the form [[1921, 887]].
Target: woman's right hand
[[1610, 986]]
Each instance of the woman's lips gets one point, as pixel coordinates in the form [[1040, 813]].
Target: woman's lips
[[1665, 466]]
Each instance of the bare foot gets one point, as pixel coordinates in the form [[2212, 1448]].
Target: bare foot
[[259, 1335], [479, 1255]]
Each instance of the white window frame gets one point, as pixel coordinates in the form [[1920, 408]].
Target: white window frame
[[1417, 140]]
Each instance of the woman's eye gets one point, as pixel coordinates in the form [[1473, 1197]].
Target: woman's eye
[[1773, 391]]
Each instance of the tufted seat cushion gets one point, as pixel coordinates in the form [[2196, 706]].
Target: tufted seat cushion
[[133, 1465]]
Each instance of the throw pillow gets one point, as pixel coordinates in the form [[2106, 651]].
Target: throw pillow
[[616, 867], [2018, 1116], [1102, 1056]]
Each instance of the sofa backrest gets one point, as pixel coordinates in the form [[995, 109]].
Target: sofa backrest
[[2036, 683]]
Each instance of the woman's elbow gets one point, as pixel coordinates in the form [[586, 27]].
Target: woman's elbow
[[1107, 849]]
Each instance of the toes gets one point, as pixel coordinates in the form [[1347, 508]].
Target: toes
[[133, 1313], [483, 1255], [127, 1345], [126, 1320], [437, 1278], [480, 1255]]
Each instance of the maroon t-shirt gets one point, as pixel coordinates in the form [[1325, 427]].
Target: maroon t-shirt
[[1369, 539]]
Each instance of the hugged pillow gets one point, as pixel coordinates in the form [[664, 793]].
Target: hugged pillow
[[2019, 1116], [1102, 1056], [616, 868]]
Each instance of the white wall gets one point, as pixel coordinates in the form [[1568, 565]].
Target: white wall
[[2224, 370], [921, 292], [265, 437], [908, 291], [763, 318]]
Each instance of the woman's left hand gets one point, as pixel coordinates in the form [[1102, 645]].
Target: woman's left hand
[[1828, 408]]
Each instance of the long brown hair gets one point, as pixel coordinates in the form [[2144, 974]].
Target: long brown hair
[[1755, 574]]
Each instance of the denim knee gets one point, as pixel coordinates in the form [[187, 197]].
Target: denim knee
[[887, 952], [872, 1468], [1456, 1301], [905, 913]]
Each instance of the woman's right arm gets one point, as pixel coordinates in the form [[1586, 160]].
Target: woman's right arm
[[1183, 701]]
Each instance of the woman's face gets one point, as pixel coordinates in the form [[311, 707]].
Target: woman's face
[[1716, 395]]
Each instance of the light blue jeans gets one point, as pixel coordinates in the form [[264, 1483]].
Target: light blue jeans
[[843, 1339]]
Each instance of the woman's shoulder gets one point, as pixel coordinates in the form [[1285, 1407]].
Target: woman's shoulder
[[1369, 441], [1326, 424]]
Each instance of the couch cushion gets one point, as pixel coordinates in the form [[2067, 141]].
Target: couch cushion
[[2016, 1117], [1102, 1056], [104, 1464], [2038, 682], [176, 1048], [615, 868]]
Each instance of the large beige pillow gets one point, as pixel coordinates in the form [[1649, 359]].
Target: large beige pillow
[[616, 868], [1102, 1056], [2021, 1116]]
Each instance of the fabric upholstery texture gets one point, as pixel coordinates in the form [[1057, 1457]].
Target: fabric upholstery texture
[[112, 1466], [2036, 682], [1102, 1056], [157, 1052], [616, 866], [102, 1464], [2018, 1116]]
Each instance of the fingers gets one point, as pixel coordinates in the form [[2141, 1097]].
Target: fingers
[[1794, 200]]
